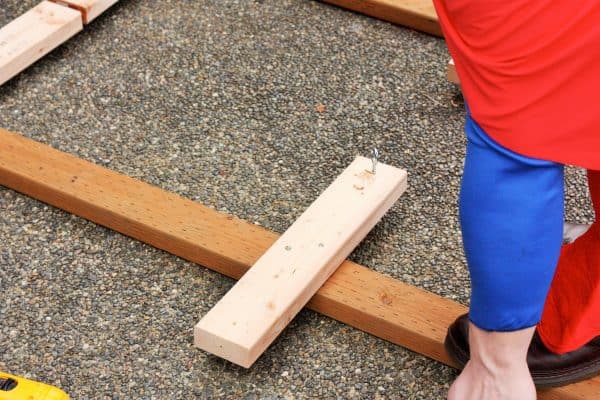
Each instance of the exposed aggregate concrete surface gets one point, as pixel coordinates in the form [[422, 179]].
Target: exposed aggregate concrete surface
[[252, 108]]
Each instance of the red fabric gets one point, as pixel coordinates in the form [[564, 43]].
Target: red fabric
[[530, 72], [571, 315]]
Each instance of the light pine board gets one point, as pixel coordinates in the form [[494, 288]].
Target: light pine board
[[90, 9], [360, 297], [33, 35], [251, 315], [416, 14]]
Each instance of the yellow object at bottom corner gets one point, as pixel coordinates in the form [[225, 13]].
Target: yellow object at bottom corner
[[26, 389]]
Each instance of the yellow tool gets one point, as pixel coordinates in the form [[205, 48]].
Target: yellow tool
[[17, 388]]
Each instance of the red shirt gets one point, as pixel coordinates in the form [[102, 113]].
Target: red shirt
[[530, 73]]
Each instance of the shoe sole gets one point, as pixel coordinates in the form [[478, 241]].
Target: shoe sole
[[459, 357], [567, 377]]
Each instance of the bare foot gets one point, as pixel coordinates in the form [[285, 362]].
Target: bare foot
[[476, 382]]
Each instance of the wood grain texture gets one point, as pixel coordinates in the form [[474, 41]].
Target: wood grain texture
[[33, 35], [451, 73], [255, 311], [358, 296], [416, 14], [90, 9]]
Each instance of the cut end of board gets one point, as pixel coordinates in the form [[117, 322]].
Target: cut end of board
[[215, 344], [451, 73]]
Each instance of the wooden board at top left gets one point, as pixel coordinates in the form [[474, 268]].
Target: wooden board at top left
[[90, 9], [34, 34]]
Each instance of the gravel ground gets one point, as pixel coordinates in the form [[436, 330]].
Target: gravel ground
[[253, 108]]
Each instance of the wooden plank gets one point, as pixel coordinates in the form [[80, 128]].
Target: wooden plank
[[451, 73], [387, 308], [416, 14], [253, 313], [90, 9], [33, 35]]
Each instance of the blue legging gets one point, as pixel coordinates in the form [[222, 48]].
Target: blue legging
[[511, 215]]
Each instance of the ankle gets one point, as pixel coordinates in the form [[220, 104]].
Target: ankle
[[500, 353], [494, 368]]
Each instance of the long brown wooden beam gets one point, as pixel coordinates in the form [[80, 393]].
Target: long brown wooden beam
[[355, 295], [417, 14]]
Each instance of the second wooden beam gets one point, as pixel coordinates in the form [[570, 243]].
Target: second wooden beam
[[416, 14]]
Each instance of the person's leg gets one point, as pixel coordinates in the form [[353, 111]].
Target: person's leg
[[572, 313], [511, 213]]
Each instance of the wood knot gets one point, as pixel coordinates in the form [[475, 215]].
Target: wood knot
[[385, 299]]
